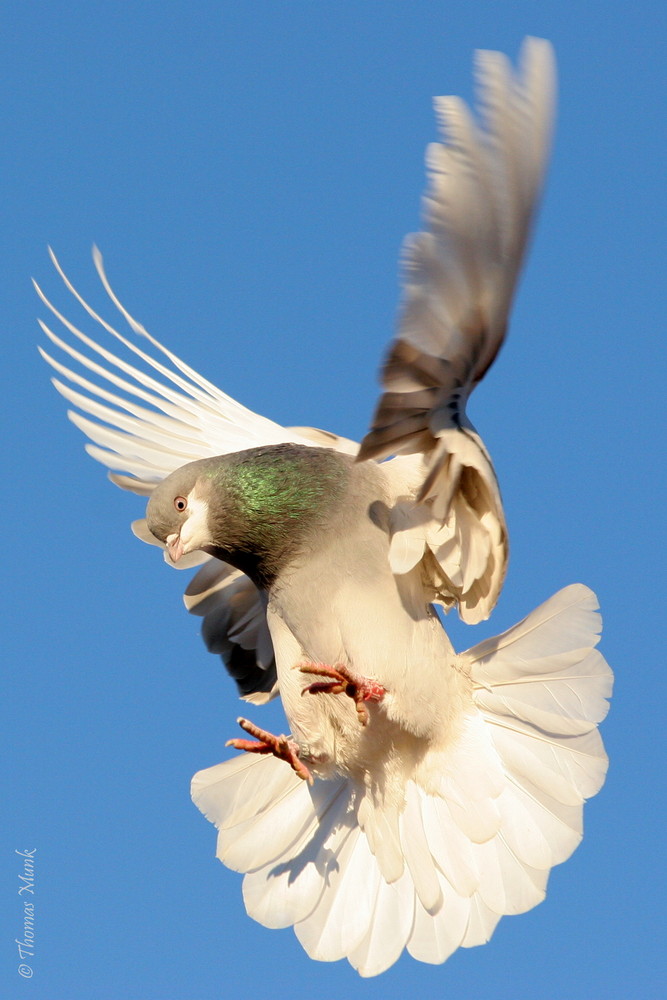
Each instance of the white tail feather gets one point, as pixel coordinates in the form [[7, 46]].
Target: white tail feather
[[481, 824]]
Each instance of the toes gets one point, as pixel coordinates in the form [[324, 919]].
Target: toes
[[324, 687], [249, 746], [343, 681], [266, 743]]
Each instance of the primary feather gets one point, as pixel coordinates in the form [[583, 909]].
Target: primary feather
[[449, 808]]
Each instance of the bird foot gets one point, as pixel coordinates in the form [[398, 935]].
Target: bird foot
[[343, 681], [280, 746]]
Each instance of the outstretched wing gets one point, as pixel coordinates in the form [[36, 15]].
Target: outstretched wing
[[143, 427], [460, 278], [146, 413]]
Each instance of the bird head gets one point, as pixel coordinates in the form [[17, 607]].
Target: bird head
[[251, 508], [177, 512]]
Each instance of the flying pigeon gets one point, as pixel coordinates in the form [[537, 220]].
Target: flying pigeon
[[420, 793]]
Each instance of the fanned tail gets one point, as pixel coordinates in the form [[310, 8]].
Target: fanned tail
[[482, 820]]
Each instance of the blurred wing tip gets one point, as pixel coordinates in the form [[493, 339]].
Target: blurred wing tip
[[536, 47], [532, 48]]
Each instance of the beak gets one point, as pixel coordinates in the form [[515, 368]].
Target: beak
[[175, 547]]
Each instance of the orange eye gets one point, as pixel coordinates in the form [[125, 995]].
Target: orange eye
[[180, 503]]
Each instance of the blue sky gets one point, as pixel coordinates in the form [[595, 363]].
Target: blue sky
[[249, 171]]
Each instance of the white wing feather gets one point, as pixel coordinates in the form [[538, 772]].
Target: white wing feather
[[145, 420], [187, 417]]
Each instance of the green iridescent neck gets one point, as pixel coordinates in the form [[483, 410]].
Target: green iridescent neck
[[271, 497], [286, 484]]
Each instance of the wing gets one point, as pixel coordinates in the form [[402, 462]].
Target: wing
[[460, 277], [147, 413], [145, 427], [235, 626]]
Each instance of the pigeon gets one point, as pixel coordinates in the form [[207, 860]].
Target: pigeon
[[420, 793]]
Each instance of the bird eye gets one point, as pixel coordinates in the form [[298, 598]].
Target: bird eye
[[180, 503]]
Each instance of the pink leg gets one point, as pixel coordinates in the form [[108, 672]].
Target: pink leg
[[280, 746], [343, 681]]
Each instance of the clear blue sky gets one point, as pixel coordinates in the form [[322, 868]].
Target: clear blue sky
[[249, 171]]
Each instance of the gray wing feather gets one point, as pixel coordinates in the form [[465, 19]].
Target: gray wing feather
[[235, 626], [459, 280], [460, 274]]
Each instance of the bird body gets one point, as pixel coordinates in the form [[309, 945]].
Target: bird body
[[332, 598], [468, 781], [441, 787]]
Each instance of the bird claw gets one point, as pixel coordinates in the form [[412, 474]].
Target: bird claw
[[280, 746], [343, 681]]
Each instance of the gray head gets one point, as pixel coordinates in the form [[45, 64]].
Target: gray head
[[177, 512], [250, 508]]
